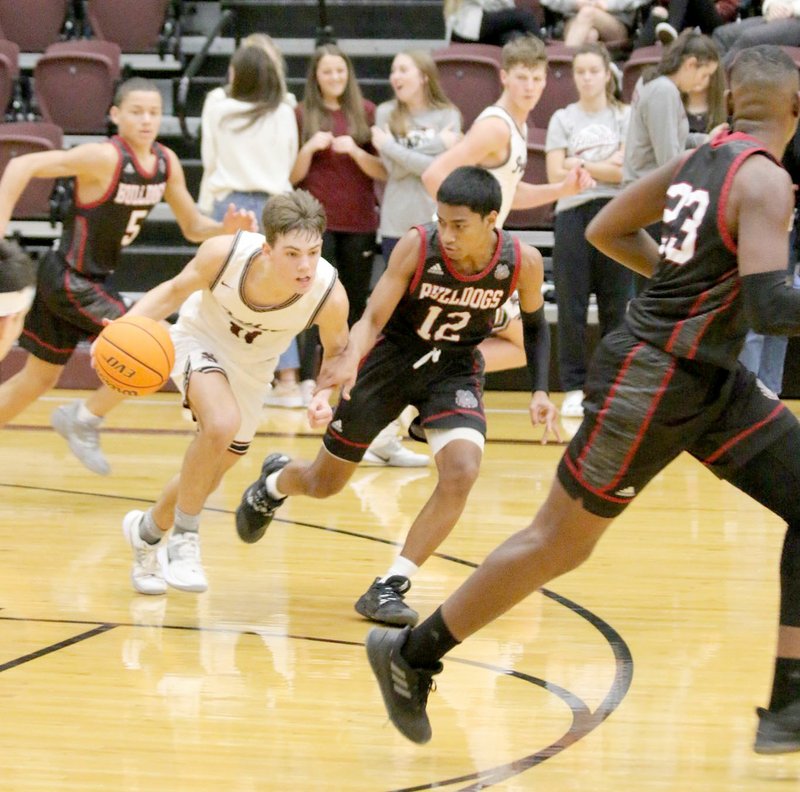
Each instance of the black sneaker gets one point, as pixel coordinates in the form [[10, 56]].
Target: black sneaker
[[383, 602], [257, 507], [405, 689], [778, 732]]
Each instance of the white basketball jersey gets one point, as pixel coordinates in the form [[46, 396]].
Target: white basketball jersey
[[510, 173], [238, 330]]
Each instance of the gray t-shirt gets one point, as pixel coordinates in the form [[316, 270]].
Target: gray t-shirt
[[658, 129], [593, 137], [405, 200]]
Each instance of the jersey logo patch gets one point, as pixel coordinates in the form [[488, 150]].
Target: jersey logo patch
[[501, 271], [626, 492], [466, 400], [337, 425], [436, 269], [129, 168]]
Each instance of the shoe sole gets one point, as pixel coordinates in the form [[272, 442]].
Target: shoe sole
[[129, 522], [172, 582], [400, 621]]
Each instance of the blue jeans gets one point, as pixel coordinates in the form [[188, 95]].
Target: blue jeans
[[764, 356]]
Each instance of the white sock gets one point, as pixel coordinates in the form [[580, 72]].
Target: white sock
[[403, 567], [272, 485], [85, 415]]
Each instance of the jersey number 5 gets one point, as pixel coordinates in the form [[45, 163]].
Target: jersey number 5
[[683, 215], [134, 226], [446, 331]]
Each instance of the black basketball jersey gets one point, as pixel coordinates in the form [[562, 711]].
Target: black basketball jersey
[[692, 306], [446, 309], [94, 234]]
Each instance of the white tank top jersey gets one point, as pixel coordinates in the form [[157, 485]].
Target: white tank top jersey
[[510, 173], [240, 331]]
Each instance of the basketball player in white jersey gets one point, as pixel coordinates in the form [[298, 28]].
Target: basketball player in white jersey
[[242, 299], [498, 141]]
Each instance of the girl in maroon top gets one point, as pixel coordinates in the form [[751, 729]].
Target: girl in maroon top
[[338, 166]]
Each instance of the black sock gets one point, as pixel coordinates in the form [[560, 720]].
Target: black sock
[[786, 687], [428, 642]]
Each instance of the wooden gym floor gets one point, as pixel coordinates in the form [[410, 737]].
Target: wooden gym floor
[[640, 671]]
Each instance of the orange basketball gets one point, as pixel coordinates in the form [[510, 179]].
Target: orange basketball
[[134, 355]]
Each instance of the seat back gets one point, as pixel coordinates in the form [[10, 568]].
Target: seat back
[[632, 70], [560, 89], [542, 217], [133, 24], [32, 24], [9, 72], [470, 76], [74, 84], [26, 138]]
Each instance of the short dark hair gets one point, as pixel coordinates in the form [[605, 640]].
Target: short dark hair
[[131, 85], [295, 211], [17, 269], [763, 64], [473, 187]]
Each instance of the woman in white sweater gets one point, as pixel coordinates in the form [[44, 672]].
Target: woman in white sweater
[[487, 21], [249, 136]]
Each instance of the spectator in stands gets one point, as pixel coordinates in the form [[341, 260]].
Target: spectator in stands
[[705, 107], [665, 21], [596, 20], [249, 146], [779, 23], [117, 183], [493, 22], [659, 129], [409, 132], [17, 288], [590, 132], [339, 166]]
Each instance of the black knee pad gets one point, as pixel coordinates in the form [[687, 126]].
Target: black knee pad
[[790, 577]]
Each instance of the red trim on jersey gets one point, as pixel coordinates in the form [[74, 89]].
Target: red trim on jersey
[[344, 440], [460, 276], [80, 235], [46, 345], [113, 184], [98, 290], [423, 251], [599, 493], [136, 164], [746, 433], [722, 223], [713, 315], [637, 441], [668, 347], [517, 263]]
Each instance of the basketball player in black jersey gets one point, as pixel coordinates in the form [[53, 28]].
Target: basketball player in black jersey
[[117, 183], [416, 343], [666, 381]]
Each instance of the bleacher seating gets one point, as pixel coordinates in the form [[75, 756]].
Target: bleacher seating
[[135, 25], [33, 24]]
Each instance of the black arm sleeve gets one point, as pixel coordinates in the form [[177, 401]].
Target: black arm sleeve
[[536, 337], [771, 307]]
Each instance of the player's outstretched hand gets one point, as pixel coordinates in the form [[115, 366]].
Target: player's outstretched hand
[[543, 411], [319, 408], [238, 220]]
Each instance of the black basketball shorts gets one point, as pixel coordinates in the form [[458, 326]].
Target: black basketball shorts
[[643, 407]]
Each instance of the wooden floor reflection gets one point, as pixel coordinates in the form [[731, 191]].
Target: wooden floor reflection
[[639, 671]]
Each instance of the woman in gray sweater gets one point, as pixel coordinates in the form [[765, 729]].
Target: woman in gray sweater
[[409, 132]]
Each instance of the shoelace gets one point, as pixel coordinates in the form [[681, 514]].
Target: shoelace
[[147, 559], [185, 548], [389, 594], [259, 500]]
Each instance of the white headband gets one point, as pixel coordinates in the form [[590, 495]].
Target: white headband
[[17, 301]]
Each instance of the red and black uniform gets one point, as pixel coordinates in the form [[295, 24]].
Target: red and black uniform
[[73, 296], [428, 354], [668, 380]]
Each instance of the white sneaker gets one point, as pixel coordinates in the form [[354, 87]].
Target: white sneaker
[[572, 406], [146, 575], [392, 453], [181, 562], [83, 438], [284, 394]]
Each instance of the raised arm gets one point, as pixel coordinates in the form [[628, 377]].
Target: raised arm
[[92, 163], [198, 274]]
